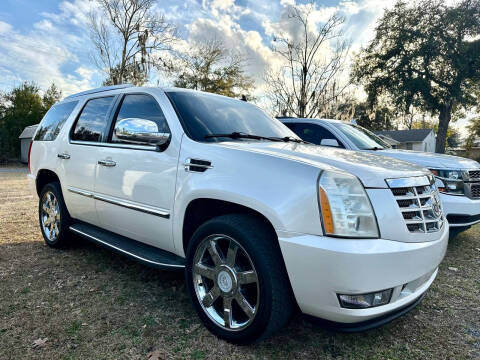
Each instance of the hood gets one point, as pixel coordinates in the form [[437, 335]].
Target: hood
[[431, 160], [371, 169]]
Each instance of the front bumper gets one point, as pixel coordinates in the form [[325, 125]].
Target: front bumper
[[460, 210], [321, 267]]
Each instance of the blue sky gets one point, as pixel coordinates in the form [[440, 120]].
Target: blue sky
[[48, 40]]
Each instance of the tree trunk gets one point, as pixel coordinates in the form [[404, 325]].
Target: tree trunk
[[443, 121]]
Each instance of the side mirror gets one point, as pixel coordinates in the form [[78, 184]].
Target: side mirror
[[140, 132], [330, 142]]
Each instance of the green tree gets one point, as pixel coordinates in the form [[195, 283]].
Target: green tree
[[425, 54], [376, 118], [210, 66], [52, 95], [473, 128], [21, 107]]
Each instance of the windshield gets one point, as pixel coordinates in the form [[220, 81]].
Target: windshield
[[205, 114], [362, 138]]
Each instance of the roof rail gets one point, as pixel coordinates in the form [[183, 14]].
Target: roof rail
[[100, 89]]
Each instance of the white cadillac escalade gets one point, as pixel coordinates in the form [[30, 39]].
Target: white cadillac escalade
[[259, 221]]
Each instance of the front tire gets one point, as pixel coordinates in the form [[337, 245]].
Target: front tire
[[237, 280], [53, 216]]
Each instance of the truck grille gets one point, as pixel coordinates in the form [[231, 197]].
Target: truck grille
[[474, 175], [419, 202], [475, 190]]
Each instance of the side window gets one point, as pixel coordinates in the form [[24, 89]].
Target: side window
[[291, 126], [92, 122], [314, 133], [53, 121], [141, 106]]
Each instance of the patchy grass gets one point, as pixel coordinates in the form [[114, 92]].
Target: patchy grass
[[89, 303]]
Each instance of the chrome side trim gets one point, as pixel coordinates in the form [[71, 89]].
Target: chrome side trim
[[114, 145], [130, 205], [124, 251], [152, 210], [80, 192]]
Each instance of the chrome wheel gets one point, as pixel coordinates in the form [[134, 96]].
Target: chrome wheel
[[50, 216], [225, 282]]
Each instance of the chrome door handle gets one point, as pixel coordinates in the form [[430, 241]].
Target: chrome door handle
[[107, 163], [63, 156]]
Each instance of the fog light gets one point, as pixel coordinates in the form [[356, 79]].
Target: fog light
[[365, 300]]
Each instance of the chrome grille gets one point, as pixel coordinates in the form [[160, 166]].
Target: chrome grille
[[419, 202]]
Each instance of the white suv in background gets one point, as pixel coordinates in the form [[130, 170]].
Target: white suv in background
[[457, 178], [258, 220]]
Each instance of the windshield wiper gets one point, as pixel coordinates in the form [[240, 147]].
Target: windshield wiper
[[239, 135], [375, 148], [292, 139]]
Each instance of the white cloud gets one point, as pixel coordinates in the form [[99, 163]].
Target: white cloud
[[39, 56], [5, 27], [73, 12]]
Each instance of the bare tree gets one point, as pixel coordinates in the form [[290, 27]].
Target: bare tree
[[313, 59], [210, 66], [127, 39]]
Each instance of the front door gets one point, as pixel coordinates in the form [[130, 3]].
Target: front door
[[135, 184]]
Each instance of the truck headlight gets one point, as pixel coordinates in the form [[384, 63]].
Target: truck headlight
[[345, 207], [449, 181]]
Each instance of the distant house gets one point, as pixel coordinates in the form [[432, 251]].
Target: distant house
[[25, 138], [416, 139]]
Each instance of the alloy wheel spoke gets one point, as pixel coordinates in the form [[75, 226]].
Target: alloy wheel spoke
[[231, 254], [212, 249], [244, 305], [246, 277], [227, 312], [210, 298], [205, 271], [49, 200]]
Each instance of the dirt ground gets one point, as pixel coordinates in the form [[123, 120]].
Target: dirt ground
[[87, 303]]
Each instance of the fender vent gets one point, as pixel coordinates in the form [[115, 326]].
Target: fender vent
[[197, 165]]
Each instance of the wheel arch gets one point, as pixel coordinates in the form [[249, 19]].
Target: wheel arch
[[45, 176], [200, 210]]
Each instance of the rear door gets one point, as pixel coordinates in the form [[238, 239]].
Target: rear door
[[135, 184], [78, 157]]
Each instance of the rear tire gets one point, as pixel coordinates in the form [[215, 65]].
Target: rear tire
[[53, 216], [241, 293]]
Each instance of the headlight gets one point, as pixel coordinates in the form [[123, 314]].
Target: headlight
[[449, 181], [345, 206]]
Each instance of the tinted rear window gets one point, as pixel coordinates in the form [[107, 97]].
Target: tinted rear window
[[92, 122], [53, 121]]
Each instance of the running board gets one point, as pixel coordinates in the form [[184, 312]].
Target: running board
[[146, 254]]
